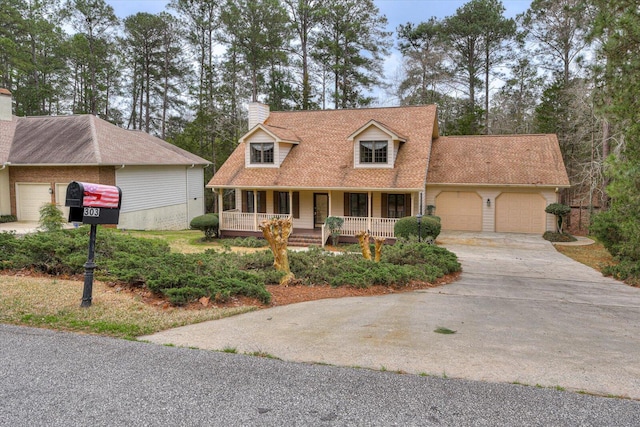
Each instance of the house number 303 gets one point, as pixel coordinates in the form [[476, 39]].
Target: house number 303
[[93, 212]]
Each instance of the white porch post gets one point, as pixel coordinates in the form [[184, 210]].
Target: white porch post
[[255, 210], [370, 210], [220, 207], [330, 207], [291, 205]]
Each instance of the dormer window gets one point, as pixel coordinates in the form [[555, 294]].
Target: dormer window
[[373, 151], [262, 152]]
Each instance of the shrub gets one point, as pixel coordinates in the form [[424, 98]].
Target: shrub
[[51, 218], [7, 218], [608, 231], [408, 226], [560, 211], [246, 242], [335, 228], [183, 278], [208, 224]]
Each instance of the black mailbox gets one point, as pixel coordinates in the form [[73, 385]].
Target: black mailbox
[[93, 203]]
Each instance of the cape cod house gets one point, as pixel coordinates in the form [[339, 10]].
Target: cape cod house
[[162, 185], [372, 166]]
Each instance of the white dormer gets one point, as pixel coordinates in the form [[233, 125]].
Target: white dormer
[[267, 146], [375, 146]]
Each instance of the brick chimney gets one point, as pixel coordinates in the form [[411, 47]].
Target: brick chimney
[[5, 104], [258, 113]]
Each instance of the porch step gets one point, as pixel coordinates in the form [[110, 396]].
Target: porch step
[[305, 240]]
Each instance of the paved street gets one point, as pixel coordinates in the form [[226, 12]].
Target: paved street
[[60, 379]]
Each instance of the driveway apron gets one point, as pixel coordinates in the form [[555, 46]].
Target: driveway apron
[[521, 312]]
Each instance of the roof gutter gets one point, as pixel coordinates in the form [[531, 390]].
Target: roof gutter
[[475, 184], [4, 165], [347, 189]]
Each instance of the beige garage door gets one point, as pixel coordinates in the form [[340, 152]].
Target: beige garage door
[[520, 213], [29, 199], [459, 210]]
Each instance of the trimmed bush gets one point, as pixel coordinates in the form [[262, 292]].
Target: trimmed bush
[[560, 211], [208, 223], [408, 226]]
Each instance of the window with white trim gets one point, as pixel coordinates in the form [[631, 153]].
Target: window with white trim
[[373, 152], [262, 152]]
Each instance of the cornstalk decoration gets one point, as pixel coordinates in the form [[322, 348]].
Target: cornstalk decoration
[[277, 231]]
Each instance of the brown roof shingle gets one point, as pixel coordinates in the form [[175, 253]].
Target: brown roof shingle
[[324, 156], [497, 160], [87, 140]]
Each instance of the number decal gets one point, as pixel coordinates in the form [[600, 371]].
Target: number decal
[[92, 212]]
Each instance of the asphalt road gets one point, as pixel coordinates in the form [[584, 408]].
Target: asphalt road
[[61, 379]]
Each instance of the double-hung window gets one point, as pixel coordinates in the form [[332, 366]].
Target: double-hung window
[[262, 152], [358, 204], [373, 151], [395, 205]]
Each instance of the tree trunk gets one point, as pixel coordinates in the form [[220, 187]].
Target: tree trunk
[[379, 242], [276, 232], [363, 239]]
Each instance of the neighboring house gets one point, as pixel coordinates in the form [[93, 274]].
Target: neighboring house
[[372, 166], [162, 185]]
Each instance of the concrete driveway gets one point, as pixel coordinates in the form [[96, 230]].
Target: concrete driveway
[[522, 313]]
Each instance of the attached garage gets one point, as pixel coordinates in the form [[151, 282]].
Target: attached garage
[[520, 213], [459, 210], [29, 199]]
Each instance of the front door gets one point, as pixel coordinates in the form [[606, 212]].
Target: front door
[[320, 209]]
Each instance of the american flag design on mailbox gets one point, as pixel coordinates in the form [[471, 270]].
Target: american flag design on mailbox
[[101, 196], [91, 203]]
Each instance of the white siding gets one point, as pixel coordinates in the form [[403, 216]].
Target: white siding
[[373, 134], [283, 151], [150, 187], [258, 113], [306, 211], [261, 136], [337, 203]]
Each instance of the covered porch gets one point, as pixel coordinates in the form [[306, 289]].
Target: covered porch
[[372, 211]]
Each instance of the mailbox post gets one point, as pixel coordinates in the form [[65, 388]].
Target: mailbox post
[[92, 204]]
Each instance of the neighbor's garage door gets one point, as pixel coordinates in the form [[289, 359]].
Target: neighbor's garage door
[[459, 210], [29, 200], [520, 213]]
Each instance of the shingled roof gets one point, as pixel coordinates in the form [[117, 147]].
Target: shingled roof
[[84, 140], [324, 156], [525, 160]]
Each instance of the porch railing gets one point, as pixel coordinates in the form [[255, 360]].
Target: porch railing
[[377, 227], [242, 221]]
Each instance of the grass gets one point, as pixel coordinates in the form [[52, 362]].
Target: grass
[[55, 304], [594, 255], [191, 241]]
